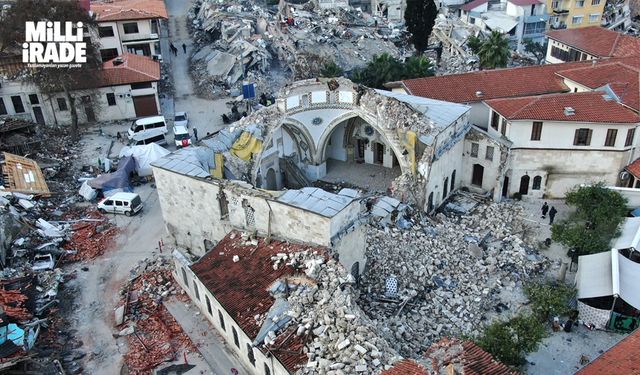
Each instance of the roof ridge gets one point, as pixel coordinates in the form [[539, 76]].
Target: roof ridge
[[615, 44]]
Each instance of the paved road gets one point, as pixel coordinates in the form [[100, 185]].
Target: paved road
[[204, 113]]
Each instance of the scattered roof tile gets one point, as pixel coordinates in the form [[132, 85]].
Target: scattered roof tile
[[598, 41], [121, 10], [621, 359], [406, 367], [468, 357], [242, 287], [634, 168], [491, 84], [588, 107], [132, 69]]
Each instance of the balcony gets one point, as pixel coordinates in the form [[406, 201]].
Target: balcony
[[535, 19], [138, 36], [560, 11], [558, 26]]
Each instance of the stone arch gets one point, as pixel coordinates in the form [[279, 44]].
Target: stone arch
[[272, 183]]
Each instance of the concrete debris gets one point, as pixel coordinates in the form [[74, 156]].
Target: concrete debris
[[449, 275], [253, 43]]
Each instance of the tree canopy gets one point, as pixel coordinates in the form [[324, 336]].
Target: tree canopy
[[330, 70], [72, 81], [510, 341], [548, 299], [493, 52], [420, 16], [385, 68], [598, 213], [536, 49]]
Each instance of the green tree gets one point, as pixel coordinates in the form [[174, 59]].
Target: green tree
[[548, 299], [494, 51], [594, 223], [330, 70], [75, 83], [537, 49], [510, 341], [420, 16], [383, 68], [416, 67], [474, 43]]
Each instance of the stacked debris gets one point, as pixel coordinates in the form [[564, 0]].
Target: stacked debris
[[245, 41], [449, 278], [153, 334], [343, 340], [90, 239], [19, 136]]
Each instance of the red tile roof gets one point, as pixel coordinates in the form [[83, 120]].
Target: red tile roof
[[634, 168], [588, 106], [525, 2], [621, 359], [598, 41], [497, 83], [121, 10], [473, 4], [134, 69], [622, 78], [406, 367], [242, 287], [469, 358]]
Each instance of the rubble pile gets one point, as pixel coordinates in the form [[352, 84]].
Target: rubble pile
[[153, 334], [428, 281], [90, 239], [245, 41], [344, 339]]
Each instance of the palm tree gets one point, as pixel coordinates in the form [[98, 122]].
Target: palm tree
[[495, 51], [330, 70], [382, 69], [416, 67]]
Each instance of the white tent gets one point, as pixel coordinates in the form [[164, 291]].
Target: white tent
[[609, 274], [144, 155]]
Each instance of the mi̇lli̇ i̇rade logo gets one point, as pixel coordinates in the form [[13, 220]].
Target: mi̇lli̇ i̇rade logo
[[54, 44]]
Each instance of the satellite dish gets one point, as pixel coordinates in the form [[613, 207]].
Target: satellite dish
[[624, 175]]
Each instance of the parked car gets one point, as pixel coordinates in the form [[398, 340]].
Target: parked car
[[153, 124], [181, 119], [43, 262], [152, 136], [121, 203], [181, 136]]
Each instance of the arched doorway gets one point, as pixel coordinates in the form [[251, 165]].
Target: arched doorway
[[453, 180], [430, 203], [537, 182], [445, 187], [477, 176], [355, 272], [524, 184], [272, 184], [505, 187]]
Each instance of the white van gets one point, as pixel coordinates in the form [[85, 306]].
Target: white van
[[146, 137], [121, 203], [181, 136], [148, 124]]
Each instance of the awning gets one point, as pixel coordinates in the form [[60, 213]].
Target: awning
[[503, 24], [629, 281], [594, 275], [629, 235]]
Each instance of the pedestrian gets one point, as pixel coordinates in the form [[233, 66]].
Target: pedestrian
[[184, 47], [552, 214], [195, 134], [545, 208], [173, 49]]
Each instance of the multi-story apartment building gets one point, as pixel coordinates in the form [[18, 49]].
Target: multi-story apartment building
[[572, 14]]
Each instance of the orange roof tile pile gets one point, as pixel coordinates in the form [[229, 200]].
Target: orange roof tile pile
[[465, 357], [621, 359], [88, 240], [124, 10], [12, 303], [406, 367], [598, 41]]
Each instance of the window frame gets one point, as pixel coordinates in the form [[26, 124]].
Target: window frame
[[236, 341], [489, 155], [578, 5], [582, 133], [104, 28], [631, 134], [128, 25], [574, 18], [475, 149], [596, 15], [610, 138], [536, 130], [21, 104], [3, 107], [595, 2], [111, 99], [495, 120], [221, 319]]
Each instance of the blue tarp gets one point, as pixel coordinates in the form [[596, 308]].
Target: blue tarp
[[636, 212], [118, 179]]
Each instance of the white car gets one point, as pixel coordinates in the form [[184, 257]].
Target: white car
[[181, 136], [121, 203], [181, 119]]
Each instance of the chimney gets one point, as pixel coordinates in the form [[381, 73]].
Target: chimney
[[479, 94], [569, 111], [118, 61]]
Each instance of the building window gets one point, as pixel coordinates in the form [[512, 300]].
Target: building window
[[224, 205], [453, 180], [206, 298], [503, 128], [141, 85], [474, 150], [559, 53], [595, 2], [250, 355], [130, 28], [489, 154], [108, 54], [554, 4], [105, 31], [62, 104], [221, 318], [630, 134], [576, 20], [111, 99], [593, 18], [235, 337], [582, 137], [184, 277], [195, 289], [611, 137], [536, 131], [535, 27], [579, 3], [3, 108], [495, 120], [17, 104], [267, 370], [33, 99], [537, 181]]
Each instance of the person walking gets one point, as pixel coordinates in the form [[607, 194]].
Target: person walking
[[545, 209], [195, 134], [184, 47], [552, 214]]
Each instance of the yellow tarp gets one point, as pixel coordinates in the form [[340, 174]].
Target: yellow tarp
[[246, 146]]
